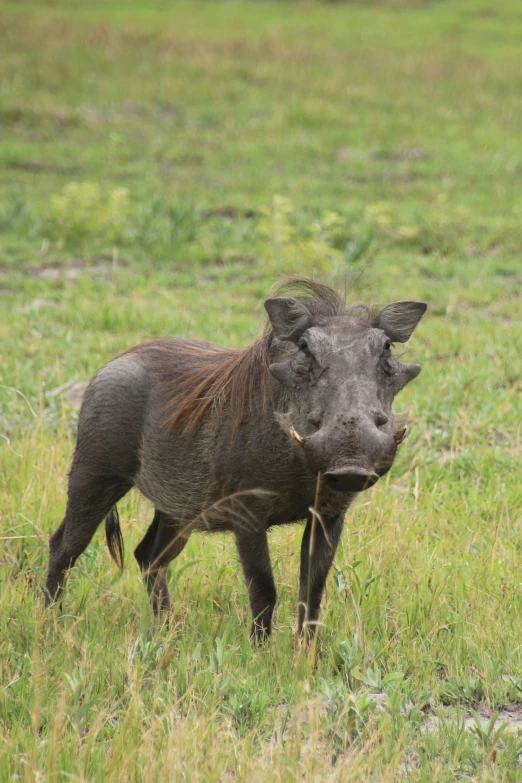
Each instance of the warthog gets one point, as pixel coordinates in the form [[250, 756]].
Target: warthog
[[288, 429]]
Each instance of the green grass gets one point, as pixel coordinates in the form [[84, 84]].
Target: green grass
[[236, 129]]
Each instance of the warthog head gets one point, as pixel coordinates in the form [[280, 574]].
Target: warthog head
[[341, 378]]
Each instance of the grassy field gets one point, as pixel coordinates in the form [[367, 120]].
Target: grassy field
[[162, 165]]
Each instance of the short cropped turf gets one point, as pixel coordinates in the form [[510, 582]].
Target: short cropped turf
[[163, 165]]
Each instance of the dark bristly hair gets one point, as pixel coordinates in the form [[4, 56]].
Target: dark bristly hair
[[200, 378]]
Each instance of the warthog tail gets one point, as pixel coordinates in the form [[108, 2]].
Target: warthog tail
[[114, 537]]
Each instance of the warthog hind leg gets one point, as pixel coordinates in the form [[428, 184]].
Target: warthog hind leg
[[90, 498], [162, 542]]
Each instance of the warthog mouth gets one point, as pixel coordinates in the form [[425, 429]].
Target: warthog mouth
[[350, 478]]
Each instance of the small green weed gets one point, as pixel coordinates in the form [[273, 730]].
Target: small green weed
[[347, 714], [89, 211], [325, 244], [489, 735]]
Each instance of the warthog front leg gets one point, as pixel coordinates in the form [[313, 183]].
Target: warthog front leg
[[312, 580], [255, 559]]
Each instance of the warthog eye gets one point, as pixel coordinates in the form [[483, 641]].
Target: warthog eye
[[303, 346], [387, 360]]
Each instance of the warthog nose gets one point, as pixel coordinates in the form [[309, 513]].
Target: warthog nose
[[351, 479]]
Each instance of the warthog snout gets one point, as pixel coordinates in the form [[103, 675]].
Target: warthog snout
[[352, 453], [350, 479]]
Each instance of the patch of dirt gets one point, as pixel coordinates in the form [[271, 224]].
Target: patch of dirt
[[497, 438], [390, 175], [99, 267], [161, 109], [511, 716], [216, 262], [404, 156], [351, 153], [37, 166], [229, 212], [56, 115], [185, 159], [344, 154], [35, 305], [92, 113]]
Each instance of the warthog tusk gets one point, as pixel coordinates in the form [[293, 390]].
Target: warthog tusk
[[399, 436], [295, 435]]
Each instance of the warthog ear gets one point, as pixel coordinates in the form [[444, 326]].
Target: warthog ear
[[399, 319], [288, 317]]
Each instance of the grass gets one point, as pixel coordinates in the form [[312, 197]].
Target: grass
[[215, 146]]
